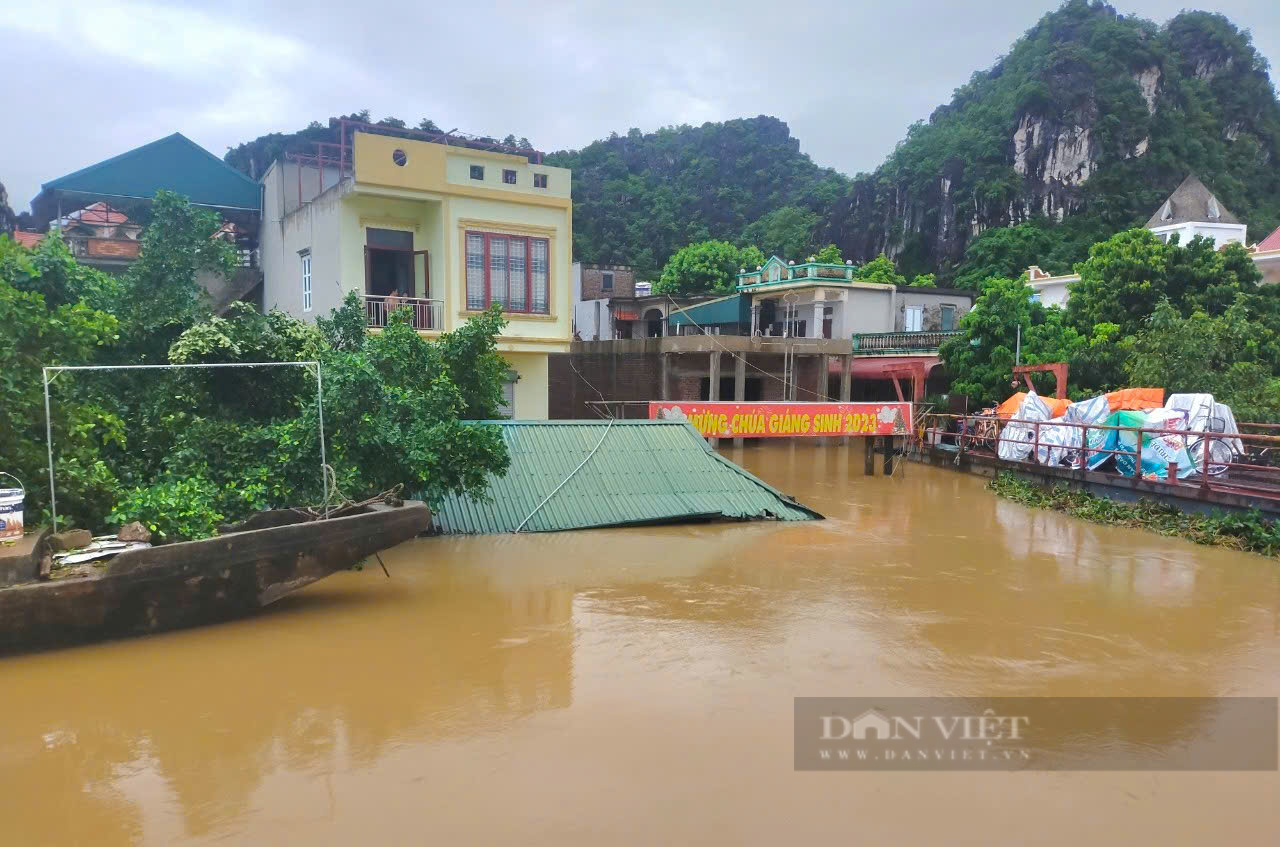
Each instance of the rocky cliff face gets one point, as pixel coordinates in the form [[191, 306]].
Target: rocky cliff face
[[8, 219], [1091, 114]]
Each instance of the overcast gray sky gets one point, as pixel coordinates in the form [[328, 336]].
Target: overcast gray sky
[[88, 81]]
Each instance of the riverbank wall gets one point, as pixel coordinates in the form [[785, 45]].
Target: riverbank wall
[[1188, 496]]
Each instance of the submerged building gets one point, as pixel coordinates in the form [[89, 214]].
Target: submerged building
[[790, 331], [444, 225]]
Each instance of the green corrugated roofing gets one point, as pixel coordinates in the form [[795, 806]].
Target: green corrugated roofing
[[174, 162], [734, 309], [643, 472]]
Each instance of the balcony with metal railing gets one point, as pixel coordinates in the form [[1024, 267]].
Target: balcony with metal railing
[[899, 343], [424, 313]]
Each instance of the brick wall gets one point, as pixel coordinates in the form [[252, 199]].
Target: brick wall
[[626, 376], [638, 376], [624, 281]]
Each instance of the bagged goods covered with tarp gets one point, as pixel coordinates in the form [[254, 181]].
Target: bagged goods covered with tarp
[[1135, 399], [1092, 411], [1204, 414], [1010, 407], [1018, 436], [1126, 439], [1159, 450], [1058, 443], [11, 513]]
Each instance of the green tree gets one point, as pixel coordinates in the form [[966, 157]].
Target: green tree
[[35, 336], [395, 406], [161, 292], [1128, 274], [880, 269], [1199, 276], [751, 257], [924, 281], [395, 414], [786, 232], [981, 358], [1120, 282], [1006, 252], [54, 273], [830, 255], [1230, 355], [708, 267]]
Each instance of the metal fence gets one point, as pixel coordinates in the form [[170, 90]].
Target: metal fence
[[883, 343], [424, 313], [1245, 462]]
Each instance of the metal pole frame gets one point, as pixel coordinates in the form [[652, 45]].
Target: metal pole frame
[[48, 418]]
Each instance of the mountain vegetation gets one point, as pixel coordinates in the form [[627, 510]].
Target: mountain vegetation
[[640, 197], [1079, 131]]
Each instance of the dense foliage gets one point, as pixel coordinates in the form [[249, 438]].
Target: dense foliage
[[184, 450], [1186, 318], [39, 333], [1249, 532], [982, 356], [1233, 355], [708, 267]]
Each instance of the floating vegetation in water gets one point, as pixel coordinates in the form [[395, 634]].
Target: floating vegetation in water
[[1250, 532]]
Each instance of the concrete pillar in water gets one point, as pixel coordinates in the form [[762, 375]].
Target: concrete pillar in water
[[869, 455], [739, 385], [824, 376], [713, 387], [887, 445], [846, 383]]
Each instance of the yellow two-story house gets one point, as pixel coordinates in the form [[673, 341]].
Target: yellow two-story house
[[442, 228]]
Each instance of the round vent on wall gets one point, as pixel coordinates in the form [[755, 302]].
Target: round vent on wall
[[398, 156]]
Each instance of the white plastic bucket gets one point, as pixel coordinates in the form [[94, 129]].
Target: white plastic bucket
[[11, 510]]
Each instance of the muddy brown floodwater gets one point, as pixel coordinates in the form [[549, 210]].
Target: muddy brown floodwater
[[635, 686]]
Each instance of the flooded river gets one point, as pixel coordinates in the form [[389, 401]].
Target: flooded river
[[636, 686]]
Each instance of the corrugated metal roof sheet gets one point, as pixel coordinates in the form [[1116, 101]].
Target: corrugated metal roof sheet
[[736, 308], [174, 162], [642, 472]]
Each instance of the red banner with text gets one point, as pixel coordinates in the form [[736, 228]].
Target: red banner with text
[[786, 420]]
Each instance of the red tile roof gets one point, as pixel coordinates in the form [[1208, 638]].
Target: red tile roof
[[1271, 242], [27, 239], [99, 213]]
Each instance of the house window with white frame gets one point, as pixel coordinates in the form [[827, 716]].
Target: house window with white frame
[[507, 408], [306, 282], [913, 319]]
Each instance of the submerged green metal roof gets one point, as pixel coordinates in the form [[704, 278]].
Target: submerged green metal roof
[[640, 472], [734, 309], [174, 162]]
